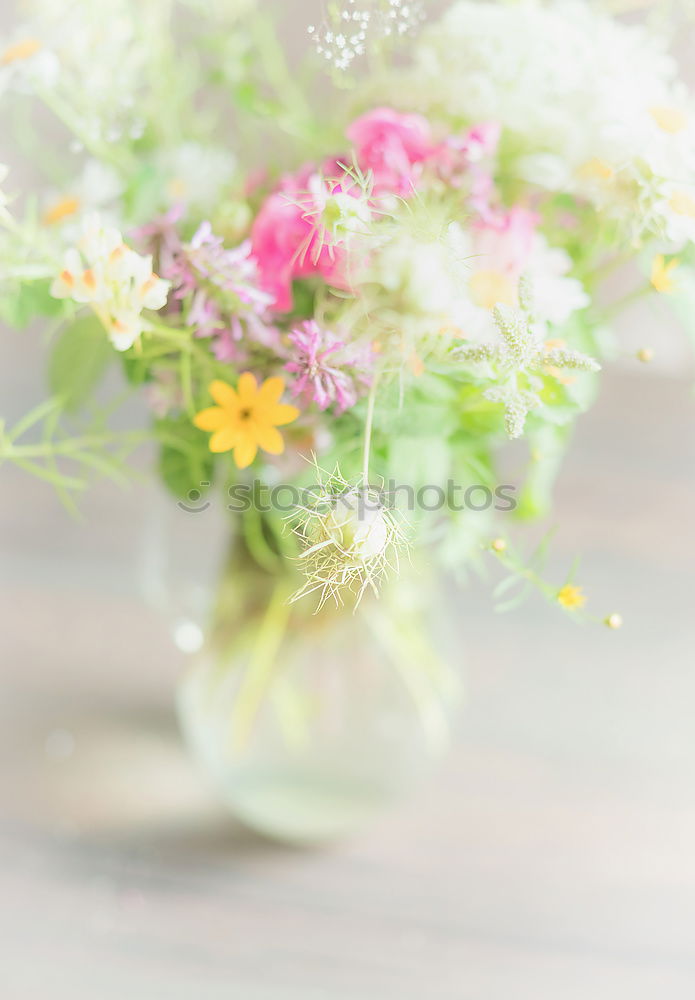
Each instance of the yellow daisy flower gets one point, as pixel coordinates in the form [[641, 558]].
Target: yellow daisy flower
[[246, 418], [571, 597], [662, 274]]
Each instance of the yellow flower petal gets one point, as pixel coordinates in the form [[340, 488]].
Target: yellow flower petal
[[211, 419], [662, 274], [223, 440], [281, 413], [247, 388], [62, 209], [20, 51], [571, 597], [683, 204], [489, 288], [669, 119], [223, 394], [596, 170], [270, 440], [245, 452], [271, 391]]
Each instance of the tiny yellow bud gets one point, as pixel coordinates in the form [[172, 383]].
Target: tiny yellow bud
[[645, 354], [499, 545], [571, 597], [614, 621]]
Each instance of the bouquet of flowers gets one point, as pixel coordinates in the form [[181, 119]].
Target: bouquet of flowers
[[339, 312]]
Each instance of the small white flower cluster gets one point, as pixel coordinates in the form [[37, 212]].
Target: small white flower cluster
[[88, 59], [594, 104], [114, 280], [348, 33]]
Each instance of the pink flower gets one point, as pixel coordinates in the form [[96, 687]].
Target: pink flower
[[327, 369], [504, 240], [478, 142], [289, 241], [460, 162], [393, 147], [219, 293]]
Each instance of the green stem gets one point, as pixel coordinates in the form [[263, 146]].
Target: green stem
[[369, 426], [106, 152], [259, 672], [69, 448], [615, 308]]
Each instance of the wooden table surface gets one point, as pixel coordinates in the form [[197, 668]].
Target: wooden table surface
[[552, 857]]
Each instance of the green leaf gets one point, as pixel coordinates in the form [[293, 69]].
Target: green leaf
[[135, 369], [23, 303], [78, 362], [185, 463]]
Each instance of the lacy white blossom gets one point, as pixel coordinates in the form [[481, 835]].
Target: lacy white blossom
[[356, 27], [90, 60], [594, 104]]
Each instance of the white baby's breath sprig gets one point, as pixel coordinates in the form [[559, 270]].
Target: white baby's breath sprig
[[353, 30]]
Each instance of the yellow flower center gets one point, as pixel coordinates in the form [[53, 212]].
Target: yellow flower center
[[571, 597], [669, 119], [596, 170], [491, 288], [25, 49], [63, 209], [177, 189], [683, 204]]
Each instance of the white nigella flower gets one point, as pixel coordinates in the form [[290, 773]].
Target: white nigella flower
[[342, 215], [349, 539], [114, 280], [424, 270]]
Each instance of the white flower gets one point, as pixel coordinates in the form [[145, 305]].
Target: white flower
[[425, 272], [196, 175], [357, 527], [96, 189], [26, 63], [594, 104], [95, 57], [114, 280]]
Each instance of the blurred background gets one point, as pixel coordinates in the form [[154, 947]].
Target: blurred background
[[551, 857]]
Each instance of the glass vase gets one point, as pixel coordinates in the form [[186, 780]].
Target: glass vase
[[311, 724]]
